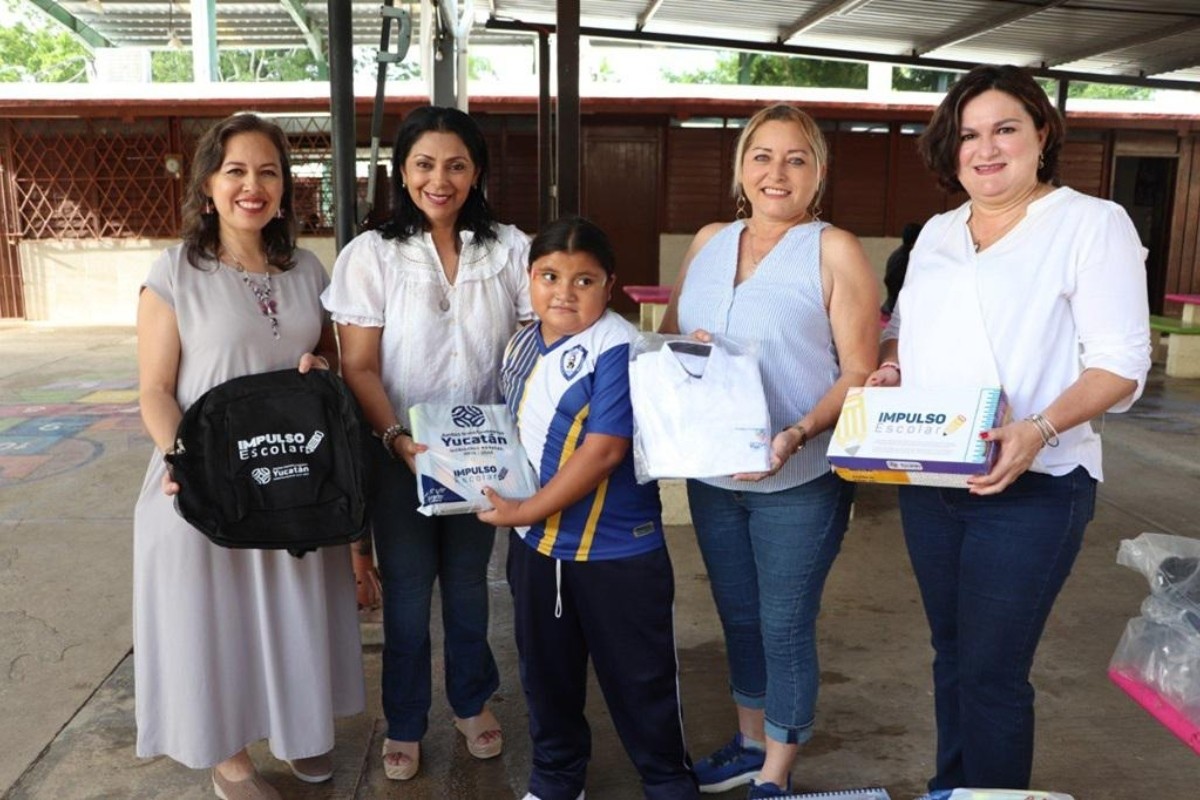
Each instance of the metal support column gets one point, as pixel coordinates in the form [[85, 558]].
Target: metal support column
[[1061, 100], [545, 136], [444, 91], [341, 106], [205, 68], [567, 117]]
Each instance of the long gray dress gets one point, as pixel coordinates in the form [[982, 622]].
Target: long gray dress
[[233, 646]]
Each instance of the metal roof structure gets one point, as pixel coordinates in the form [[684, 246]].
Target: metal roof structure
[[1146, 42]]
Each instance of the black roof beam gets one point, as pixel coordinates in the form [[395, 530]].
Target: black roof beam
[[831, 53]]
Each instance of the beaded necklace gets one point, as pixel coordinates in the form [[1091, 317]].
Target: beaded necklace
[[261, 291]]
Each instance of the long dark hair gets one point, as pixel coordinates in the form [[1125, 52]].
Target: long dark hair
[[940, 142], [475, 215], [201, 230], [574, 234]]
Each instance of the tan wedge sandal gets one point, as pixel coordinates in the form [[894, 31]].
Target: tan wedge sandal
[[401, 760], [482, 734]]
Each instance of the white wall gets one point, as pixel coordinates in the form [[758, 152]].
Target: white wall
[[96, 282]]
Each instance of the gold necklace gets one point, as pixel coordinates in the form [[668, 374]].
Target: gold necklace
[[756, 260], [977, 240]]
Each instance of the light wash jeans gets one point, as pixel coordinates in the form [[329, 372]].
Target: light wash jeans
[[767, 555]]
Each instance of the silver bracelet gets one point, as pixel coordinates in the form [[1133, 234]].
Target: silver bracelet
[[389, 436], [1045, 428]]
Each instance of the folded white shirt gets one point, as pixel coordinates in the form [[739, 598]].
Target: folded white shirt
[[699, 411]]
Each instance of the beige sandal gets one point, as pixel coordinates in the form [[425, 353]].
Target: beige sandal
[[401, 760], [482, 734]]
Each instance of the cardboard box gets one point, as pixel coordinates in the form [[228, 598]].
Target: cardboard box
[[911, 436]]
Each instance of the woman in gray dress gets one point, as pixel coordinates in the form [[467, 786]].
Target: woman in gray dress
[[233, 646]]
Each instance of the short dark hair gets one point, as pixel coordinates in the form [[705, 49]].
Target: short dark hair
[[409, 220], [574, 234], [940, 142], [201, 231]]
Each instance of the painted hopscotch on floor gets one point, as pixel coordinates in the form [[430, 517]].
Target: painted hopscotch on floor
[[50, 429]]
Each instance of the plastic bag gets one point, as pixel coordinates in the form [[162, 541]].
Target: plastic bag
[[994, 794], [1157, 661], [470, 447], [699, 409]]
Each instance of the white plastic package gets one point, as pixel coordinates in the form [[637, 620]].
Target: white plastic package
[[470, 447], [1157, 661], [699, 409]]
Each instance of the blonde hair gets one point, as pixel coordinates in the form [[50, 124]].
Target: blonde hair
[[808, 126]]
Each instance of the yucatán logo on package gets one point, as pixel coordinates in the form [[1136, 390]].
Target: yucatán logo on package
[[467, 416]]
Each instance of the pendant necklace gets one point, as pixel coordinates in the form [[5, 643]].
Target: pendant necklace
[[977, 242], [261, 291], [756, 260]]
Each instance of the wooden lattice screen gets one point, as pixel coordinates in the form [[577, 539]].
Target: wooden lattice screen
[[97, 179], [12, 299], [92, 179]]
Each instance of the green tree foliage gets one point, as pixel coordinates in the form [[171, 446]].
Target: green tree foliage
[[764, 69], [1109, 91], [910, 79], [294, 64], [33, 50], [298, 64]]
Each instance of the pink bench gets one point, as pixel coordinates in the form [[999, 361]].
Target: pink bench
[[652, 304]]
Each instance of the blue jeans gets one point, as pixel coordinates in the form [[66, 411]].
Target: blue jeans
[[767, 555], [989, 569], [413, 550]]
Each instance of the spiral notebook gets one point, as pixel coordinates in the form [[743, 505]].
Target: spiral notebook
[[866, 793]]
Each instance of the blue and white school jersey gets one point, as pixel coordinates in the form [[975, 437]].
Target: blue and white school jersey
[[559, 394]]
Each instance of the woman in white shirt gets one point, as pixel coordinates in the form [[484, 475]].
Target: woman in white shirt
[[424, 307], [1041, 290]]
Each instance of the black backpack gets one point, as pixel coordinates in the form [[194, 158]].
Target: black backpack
[[274, 461]]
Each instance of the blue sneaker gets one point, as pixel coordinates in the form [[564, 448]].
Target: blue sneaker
[[732, 765], [769, 789]]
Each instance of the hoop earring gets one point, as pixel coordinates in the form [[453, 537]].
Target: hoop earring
[[1041, 160], [208, 208], [741, 206], [279, 213]]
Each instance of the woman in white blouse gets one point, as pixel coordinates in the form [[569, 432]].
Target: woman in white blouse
[[424, 307], [1042, 290]]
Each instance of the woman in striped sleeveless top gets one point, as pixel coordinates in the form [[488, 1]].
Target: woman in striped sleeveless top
[[803, 292]]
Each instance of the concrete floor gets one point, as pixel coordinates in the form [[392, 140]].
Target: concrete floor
[[71, 460]]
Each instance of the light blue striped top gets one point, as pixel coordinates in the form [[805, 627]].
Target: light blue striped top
[[781, 310]]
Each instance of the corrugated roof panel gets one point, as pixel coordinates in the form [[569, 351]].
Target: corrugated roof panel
[[755, 20], [1103, 36], [896, 26]]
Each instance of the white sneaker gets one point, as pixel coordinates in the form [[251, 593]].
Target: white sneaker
[[532, 796]]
